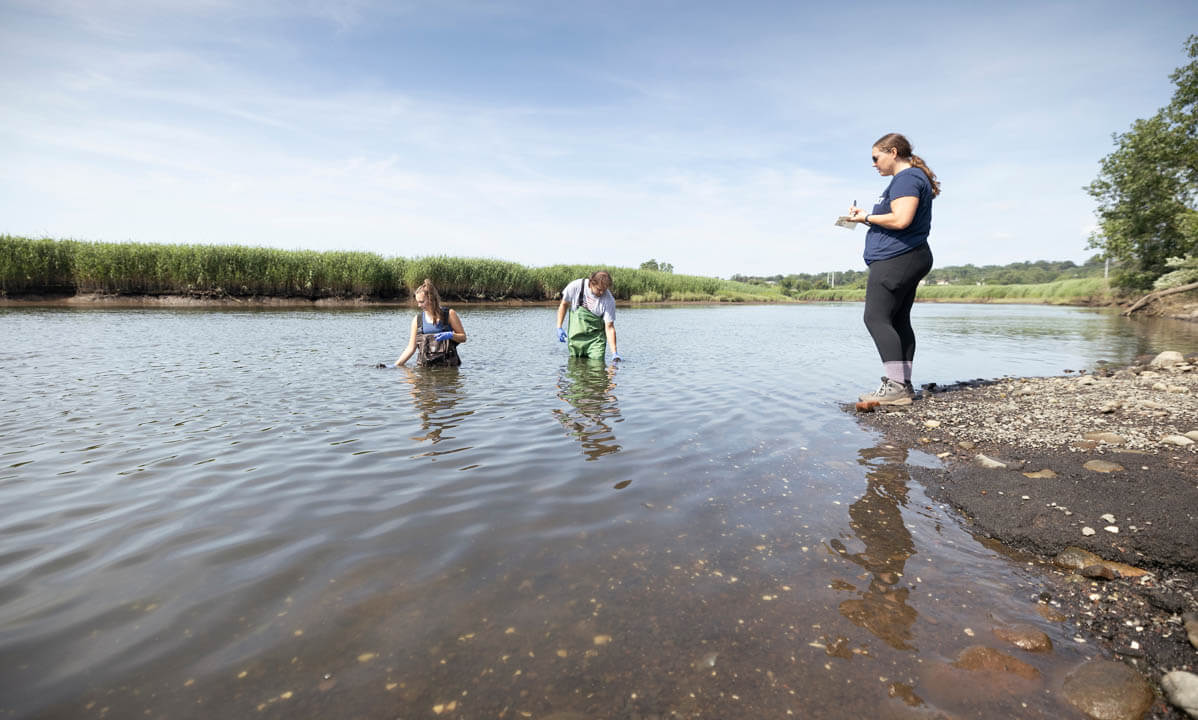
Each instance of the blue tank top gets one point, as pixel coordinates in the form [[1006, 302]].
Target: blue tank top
[[429, 328]]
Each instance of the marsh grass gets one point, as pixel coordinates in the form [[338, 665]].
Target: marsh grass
[[43, 266]]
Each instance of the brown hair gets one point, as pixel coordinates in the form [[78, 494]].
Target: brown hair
[[895, 141], [601, 279], [434, 299]]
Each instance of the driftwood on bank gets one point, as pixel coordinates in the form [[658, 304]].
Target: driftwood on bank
[[1158, 294]]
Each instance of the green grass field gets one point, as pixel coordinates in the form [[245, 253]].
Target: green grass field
[[46, 266]]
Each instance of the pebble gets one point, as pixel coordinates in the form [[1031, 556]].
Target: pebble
[[1102, 466], [1182, 689], [1107, 518], [1041, 474], [1192, 629], [931, 423], [1112, 529], [1088, 531], [1108, 690], [1109, 438], [1193, 435], [1025, 637]]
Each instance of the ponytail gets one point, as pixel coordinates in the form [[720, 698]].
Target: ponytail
[[918, 162]]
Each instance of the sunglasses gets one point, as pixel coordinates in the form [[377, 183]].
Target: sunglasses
[[874, 157]]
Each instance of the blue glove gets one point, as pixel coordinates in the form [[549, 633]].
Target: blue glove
[[447, 335], [561, 335], [615, 357]]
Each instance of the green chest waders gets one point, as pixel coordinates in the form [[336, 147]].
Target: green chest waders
[[586, 336]]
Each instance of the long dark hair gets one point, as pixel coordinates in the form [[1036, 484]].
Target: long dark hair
[[895, 141], [429, 290]]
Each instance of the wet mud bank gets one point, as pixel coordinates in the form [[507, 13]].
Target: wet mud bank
[[1096, 473]]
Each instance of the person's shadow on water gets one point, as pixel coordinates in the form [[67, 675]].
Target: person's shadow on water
[[876, 520], [588, 389]]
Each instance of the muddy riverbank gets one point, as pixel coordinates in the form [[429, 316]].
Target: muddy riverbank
[[1102, 462]]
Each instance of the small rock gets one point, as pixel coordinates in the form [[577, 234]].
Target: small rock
[[1112, 529], [1110, 406], [966, 445], [1041, 474], [989, 463], [1182, 689], [1192, 629], [1050, 613], [1087, 380], [1178, 389], [1088, 531], [1025, 637], [1107, 517], [1193, 435], [1102, 466], [1109, 438], [1097, 572], [1160, 387], [1108, 690], [1179, 440]]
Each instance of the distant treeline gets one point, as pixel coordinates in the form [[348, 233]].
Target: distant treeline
[[1077, 290], [1021, 273], [46, 266]]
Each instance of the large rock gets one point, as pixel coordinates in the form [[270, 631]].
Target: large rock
[[1075, 558], [1106, 690], [1168, 358], [982, 658], [1179, 440], [989, 463], [1182, 689]]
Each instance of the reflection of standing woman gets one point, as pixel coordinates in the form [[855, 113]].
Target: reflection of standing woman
[[898, 256], [436, 331]]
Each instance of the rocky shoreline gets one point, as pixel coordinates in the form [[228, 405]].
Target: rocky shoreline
[[1095, 473]]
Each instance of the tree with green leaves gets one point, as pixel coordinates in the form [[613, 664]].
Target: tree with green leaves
[[1147, 189]]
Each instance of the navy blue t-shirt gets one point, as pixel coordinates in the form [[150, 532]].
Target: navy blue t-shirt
[[883, 244]]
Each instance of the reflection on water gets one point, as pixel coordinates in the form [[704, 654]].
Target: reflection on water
[[588, 388], [436, 392], [877, 521]]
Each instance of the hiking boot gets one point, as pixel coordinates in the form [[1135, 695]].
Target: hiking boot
[[891, 393]]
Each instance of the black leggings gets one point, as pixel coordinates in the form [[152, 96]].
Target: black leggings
[[889, 295]]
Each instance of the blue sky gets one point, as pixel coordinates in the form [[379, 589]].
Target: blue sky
[[721, 137]]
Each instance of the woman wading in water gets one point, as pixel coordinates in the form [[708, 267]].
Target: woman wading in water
[[436, 331], [898, 256]]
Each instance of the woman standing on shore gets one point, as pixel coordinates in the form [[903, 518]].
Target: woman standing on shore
[[898, 256], [436, 331]]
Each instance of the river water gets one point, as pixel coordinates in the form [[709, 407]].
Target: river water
[[235, 513]]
